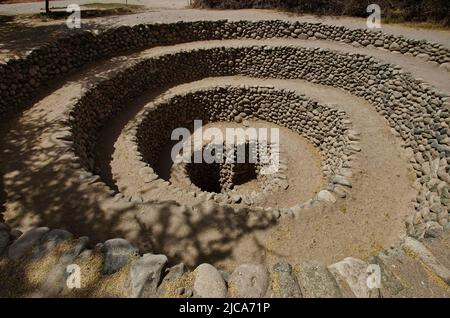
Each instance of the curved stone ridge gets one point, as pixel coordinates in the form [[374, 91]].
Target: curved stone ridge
[[418, 113], [324, 127], [20, 79]]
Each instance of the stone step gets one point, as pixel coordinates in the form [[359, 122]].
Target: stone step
[[316, 281], [390, 284], [440, 248], [352, 276], [419, 251], [408, 272]]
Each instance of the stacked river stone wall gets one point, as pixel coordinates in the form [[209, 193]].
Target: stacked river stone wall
[[319, 124], [22, 78], [417, 112]]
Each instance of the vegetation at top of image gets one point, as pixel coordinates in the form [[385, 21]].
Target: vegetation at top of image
[[432, 11]]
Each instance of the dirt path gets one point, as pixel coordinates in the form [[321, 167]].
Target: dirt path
[[171, 11]]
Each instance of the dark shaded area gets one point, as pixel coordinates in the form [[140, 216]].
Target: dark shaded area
[[19, 36], [184, 236], [245, 168], [6, 18], [204, 233], [437, 11], [49, 190], [88, 13], [206, 176], [244, 172]]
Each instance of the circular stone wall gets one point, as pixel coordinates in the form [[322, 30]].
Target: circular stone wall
[[208, 232], [414, 110], [322, 126]]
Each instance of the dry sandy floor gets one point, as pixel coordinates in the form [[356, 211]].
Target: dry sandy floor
[[371, 218]]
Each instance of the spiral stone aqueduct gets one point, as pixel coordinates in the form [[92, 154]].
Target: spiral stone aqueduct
[[364, 178]]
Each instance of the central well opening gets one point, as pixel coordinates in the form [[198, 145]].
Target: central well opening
[[222, 176], [206, 176], [243, 173]]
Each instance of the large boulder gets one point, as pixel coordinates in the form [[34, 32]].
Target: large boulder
[[209, 282], [145, 275], [248, 281], [25, 242], [284, 283], [117, 253], [316, 281]]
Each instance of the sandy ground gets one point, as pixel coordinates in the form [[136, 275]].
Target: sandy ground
[[22, 34], [371, 218]]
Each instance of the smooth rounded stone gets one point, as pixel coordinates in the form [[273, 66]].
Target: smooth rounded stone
[[353, 137], [354, 273], [238, 119], [248, 281], [320, 36], [423, 56], [4, 240], [55, 281], [208, 282], [354, 148], [326, 196], [434, 230], [25, 242], [145, 275], [117, 253], [340, 192], [394, 46], [316, 281], [56, 235], [342, 181], [284, 282]]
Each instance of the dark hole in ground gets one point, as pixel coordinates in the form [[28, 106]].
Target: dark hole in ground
[[222, 176]]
